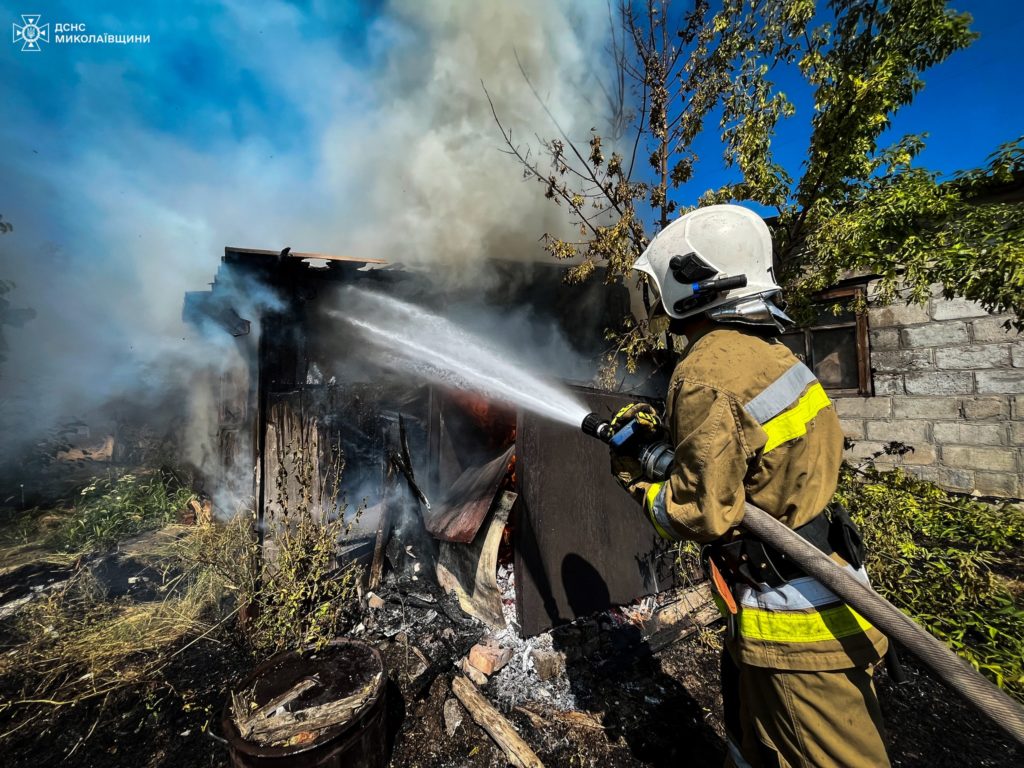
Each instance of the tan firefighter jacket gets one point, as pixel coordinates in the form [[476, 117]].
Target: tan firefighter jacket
[[750, 422]]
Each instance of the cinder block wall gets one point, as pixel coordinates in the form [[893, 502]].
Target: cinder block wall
[[949, 381]]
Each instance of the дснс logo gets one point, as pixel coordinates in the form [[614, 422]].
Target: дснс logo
[[31, 33]]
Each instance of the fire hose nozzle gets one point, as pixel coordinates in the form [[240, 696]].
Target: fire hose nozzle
[[655, 457], [595, 426]]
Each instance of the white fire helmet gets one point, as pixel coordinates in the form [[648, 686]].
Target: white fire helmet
[[717, 261]]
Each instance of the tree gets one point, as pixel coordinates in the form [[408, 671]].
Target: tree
[[856, 204]]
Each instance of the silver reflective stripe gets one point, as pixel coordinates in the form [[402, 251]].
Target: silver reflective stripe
[[660, 514], [735, 754], [801, 594], [781, 393]]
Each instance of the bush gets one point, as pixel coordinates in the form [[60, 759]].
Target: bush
[[115, 508], [951, 562], [298, 595], [305, 592]]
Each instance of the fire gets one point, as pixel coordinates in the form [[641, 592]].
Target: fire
[[497, 421], [510, 471], [494, 418]]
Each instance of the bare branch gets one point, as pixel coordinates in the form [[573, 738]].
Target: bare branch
[[531, 167], [572, 145]]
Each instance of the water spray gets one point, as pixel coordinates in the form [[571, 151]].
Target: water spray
[[411, 339]]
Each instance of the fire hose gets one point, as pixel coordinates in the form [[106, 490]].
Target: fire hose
[[656, 459]]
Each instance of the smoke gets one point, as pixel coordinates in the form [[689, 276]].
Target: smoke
[[128, 169], [430, 180]]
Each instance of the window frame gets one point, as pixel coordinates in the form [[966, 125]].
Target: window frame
[[857, 294]]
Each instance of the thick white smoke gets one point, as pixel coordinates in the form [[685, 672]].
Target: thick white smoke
[[423, 167]]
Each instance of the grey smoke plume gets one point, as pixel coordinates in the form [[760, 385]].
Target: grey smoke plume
[[429, 183], [124, 197]]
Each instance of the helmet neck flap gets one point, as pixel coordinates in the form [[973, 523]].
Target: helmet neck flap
[[753, 310]]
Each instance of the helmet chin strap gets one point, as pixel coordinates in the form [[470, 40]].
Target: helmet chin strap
[[753, 310]]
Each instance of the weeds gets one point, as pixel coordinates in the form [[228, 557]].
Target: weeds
[[228, 552], [305, 596], [937, 557], [687, 563], [305, 593], [76, 644], [24, 539], [115, 508]]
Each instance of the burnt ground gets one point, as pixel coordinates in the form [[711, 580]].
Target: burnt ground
[[641, 710]]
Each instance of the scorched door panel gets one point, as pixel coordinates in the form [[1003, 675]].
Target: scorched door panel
[[581, 543]]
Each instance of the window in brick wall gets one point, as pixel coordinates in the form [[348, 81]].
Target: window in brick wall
[[835, 346]]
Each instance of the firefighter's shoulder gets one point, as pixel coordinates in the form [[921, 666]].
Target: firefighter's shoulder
[[734, 361]]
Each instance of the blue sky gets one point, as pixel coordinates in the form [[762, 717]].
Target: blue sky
[[344, 127], [971, 103]]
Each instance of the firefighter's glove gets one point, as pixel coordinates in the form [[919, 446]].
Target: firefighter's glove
[[646, 417], [627, 469], [630, 475]]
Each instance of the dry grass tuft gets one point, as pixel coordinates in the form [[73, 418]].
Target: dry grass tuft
[[78, 645]]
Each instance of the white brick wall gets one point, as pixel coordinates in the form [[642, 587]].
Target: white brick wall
[[926, 407], [972, 356], [954, 432], [991, 329], [955, 309], [949, 381], [1000, 382], [934, 334], [939, 383], [985, 408]]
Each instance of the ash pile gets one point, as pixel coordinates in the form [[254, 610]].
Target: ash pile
[[432, 633], [433, 637]]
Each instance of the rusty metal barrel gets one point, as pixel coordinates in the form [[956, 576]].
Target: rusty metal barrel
[[339, 670]]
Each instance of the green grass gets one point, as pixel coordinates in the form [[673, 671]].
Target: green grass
[[951, 562], [115, 508]]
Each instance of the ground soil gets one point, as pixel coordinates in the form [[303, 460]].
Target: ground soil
[[648, 710]]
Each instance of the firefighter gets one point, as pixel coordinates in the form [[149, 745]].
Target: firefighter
[[750, 422]]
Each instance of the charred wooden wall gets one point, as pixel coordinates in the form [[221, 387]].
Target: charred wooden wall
[[581, 543]]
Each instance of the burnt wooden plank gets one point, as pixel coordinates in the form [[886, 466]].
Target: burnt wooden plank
[[581, 543], [295, 461], [470, 570], [383, 528], [459, 516]]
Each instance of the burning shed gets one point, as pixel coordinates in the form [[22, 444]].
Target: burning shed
[[305, 406]]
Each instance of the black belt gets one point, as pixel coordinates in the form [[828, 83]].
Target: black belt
[[817, 533], [752, 561]]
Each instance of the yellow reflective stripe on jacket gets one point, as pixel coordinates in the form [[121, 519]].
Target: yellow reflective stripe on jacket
[[793, 422], [800, 627], [654, 506]]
